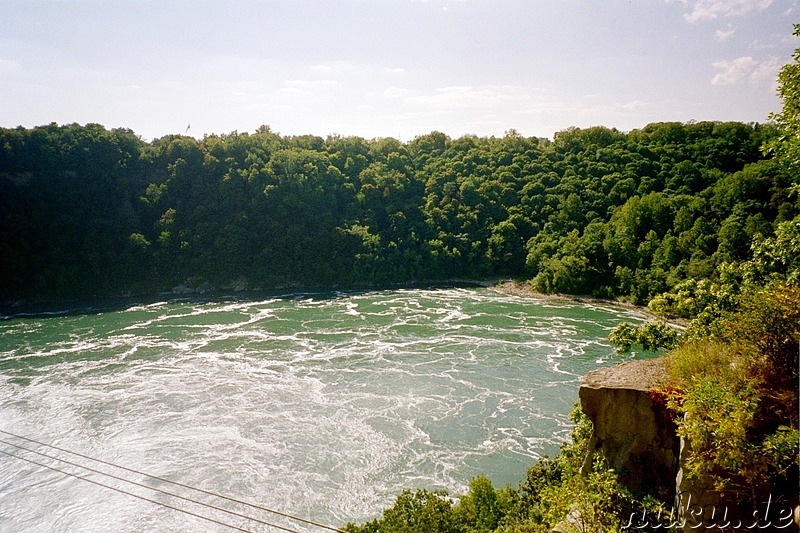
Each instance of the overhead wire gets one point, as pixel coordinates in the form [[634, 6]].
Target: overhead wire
[[123, 491], [165, 492], [176, 483]]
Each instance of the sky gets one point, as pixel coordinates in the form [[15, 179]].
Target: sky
[[390, 68]]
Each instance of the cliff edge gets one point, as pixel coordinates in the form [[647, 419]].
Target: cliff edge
[[632, 428]]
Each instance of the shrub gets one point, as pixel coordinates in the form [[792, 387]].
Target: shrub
[[421, 511], [737, 393], [651, 336], [482, 508]]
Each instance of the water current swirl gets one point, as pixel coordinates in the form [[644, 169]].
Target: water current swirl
[[321, 405]]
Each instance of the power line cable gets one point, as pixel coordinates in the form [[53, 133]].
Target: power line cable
[[164, 480], [123, 491], [234, 513]]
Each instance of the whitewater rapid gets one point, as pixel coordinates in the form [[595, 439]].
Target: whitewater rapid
[[323, 406]]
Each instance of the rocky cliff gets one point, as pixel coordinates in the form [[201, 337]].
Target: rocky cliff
[[632, 428], [634, 432]]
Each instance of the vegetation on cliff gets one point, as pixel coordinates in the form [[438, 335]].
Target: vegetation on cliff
[[736, 393]]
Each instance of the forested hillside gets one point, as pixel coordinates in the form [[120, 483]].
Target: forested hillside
[[85, 211], [730, 256]]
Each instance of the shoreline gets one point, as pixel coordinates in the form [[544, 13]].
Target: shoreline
[[522, 290]]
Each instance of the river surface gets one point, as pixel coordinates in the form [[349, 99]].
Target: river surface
[[323, 406]]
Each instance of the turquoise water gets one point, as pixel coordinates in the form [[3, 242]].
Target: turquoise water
[[321, 405]]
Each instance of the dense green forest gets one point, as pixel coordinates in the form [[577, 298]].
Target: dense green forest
[[88, 212], [701, 220]]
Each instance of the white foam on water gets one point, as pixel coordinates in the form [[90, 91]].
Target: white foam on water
[[325, 407]]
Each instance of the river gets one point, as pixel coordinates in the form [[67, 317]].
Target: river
[[323, 406]]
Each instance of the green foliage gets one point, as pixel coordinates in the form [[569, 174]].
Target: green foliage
[[528, 504], [780, 452], [623, 337], [693, 298], [482, 508], [596, 212], [718, 413], [589, 504], [651, 336], [421, 511], [776, 257], [787, 146], [736, 391]]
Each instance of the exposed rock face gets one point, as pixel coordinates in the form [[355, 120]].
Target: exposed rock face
[[631, 426], [633, 431]]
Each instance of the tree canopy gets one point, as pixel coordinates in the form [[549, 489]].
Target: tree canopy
[[86, 211]]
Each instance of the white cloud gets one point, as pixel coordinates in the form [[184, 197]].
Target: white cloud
[[774, 42], [395, 92], [766, 71], [746, 68], [471, 97], [712, 9], [296, 83], [634, 105], [724, 35], [8, 65], [733, 71], [493, 109], [304, 84]]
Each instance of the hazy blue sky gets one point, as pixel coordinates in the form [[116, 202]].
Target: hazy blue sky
[[381, 68]]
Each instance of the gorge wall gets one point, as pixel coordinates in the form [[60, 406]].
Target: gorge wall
[[633, 430]]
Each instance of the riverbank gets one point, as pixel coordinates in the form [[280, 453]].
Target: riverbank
[[523, 290]]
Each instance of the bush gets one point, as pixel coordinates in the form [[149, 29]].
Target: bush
[[483, 507], [421, 511], [737, 393], [651, 336]]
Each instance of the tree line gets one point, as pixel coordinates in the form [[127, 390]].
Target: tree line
[[86, 211]]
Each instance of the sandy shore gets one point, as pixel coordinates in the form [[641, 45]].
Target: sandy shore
[[523, 290], [517, 288]]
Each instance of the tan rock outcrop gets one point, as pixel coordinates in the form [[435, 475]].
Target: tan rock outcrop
[[632, 428]]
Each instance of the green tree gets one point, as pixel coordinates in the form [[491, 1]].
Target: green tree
[[421, 511], [787, 145]]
